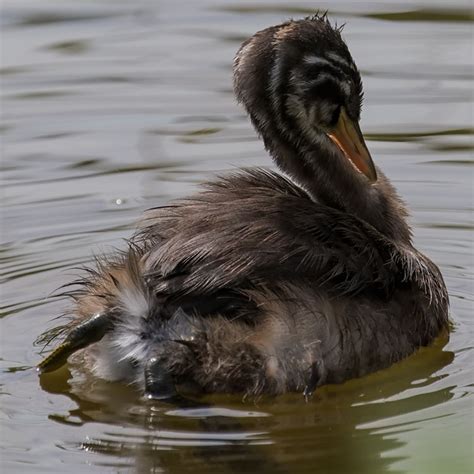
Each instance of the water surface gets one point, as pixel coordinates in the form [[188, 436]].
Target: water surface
[[110, 107]]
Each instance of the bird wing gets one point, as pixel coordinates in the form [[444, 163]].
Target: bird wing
[[258, 227]]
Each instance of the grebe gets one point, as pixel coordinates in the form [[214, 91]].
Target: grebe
[[263, 282]]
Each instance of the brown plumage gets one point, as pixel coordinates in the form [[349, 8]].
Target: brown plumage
[[262, 283]]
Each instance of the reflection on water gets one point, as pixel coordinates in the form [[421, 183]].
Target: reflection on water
[[284, 435], [112, 107]]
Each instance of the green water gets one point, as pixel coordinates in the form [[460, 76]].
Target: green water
[[111, 107]]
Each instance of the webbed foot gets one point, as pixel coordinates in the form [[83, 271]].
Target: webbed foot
[[159, 384], [86, 333], [169, 359]]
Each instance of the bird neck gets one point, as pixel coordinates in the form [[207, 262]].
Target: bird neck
[[331, 180]]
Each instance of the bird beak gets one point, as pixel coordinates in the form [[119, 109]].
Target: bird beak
[[348, 137]]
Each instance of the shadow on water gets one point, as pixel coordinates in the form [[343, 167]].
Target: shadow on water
[[222, 434]]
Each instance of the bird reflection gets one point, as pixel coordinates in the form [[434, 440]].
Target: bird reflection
[[343, 428]]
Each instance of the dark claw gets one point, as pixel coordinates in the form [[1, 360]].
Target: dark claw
[[86, 333], [159, 385]]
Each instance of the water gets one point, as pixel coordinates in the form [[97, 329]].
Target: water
[[110, 107]]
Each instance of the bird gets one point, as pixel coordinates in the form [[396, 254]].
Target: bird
[[266, 282]]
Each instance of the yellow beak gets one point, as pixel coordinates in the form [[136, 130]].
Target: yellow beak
[[348, 137]]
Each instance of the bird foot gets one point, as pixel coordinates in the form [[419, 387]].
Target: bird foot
[[159, 384], [89, 331], [314, 379]]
